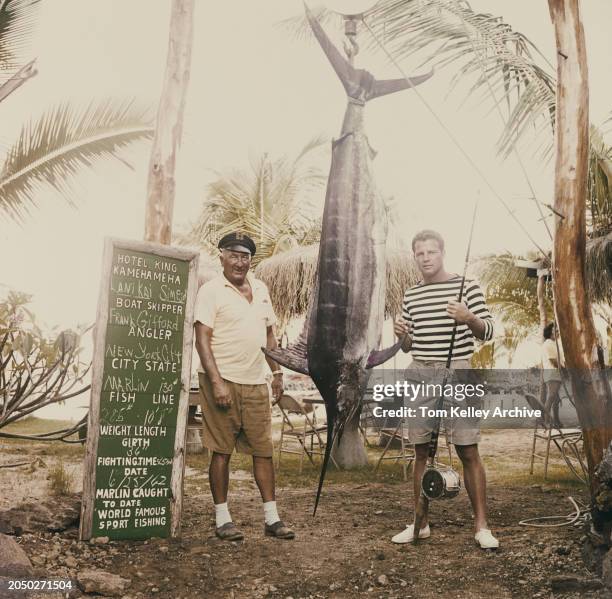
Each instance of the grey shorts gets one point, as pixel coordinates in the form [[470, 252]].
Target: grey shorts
[[460, 430]]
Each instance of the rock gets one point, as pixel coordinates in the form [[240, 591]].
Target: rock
[[103, 583], [38, 560], [563, 583], [13, 560], [606, 570], [592, 555], [382, 580], [48, 515], [99, 540]]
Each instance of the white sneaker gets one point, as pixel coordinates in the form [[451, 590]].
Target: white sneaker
[[407, 535], [485, 539]]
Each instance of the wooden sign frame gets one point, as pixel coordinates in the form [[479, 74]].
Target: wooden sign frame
[[102, 317]]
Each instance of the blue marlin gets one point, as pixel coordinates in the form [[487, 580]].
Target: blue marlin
[[344, 323]]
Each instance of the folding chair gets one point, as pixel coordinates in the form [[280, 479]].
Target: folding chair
[[406, 450], [567, 441], [194, 424], [303, 437], [391, 436]]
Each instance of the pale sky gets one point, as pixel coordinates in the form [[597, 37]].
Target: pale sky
[[256, 88]]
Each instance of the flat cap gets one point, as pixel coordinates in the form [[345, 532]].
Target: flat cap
[[237, 239]]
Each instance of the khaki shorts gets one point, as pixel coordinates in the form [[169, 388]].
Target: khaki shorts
[[245, 425], [460, 431]]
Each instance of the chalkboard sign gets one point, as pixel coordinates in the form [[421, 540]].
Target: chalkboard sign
[[134, 465]]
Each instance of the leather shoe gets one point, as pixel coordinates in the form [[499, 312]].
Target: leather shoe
[[229, 532], [279, 530]]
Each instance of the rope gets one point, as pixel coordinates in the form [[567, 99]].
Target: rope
[[575, 518], [455, 141]]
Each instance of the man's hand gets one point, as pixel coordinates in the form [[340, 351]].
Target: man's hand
[[402, 328], [459, 312], [221, 393], [277, 386]]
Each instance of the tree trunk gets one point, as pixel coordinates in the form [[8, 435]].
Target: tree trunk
[[349, 451], [573, 310], [169, 127]]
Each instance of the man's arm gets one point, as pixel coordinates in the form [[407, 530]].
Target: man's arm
[[474, 313], [404, 326], [277, 373], [203, 336], [403, 329], [480, 327]]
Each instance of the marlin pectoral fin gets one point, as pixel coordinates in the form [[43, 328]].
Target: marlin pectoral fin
[[341, 65], [389, 86], [380, 356], [292, 357]]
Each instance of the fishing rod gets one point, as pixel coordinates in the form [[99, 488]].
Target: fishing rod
[[437, 482]]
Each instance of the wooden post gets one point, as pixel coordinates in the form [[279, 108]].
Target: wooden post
[[573, 309], [169, 127]]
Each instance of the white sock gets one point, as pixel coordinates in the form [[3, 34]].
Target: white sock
[[222, 515], [270, 513]]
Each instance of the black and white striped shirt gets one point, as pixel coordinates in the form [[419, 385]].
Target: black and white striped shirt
[[425, 308]]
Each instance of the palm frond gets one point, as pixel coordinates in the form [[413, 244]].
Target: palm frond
[[273, 200], [599, 268], [51, 150], [299, 26], [17, 20], [479, 46], [599, 202], [510, 293]]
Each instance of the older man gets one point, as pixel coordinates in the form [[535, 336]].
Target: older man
[[431, 310], [233, 321]]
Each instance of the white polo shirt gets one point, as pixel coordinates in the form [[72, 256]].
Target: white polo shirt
[[239, 328]]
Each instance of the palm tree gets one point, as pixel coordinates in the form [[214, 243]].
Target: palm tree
[[511, 293], [50, 150], [273, 202]]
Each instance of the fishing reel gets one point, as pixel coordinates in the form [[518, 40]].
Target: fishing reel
[[440, 482]]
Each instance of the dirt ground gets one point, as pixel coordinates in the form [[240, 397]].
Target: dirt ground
[[345, 551]]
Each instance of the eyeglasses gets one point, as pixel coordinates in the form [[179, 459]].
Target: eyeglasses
[[237, 257]]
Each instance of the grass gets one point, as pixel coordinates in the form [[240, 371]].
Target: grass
[[60, 480], [508, 469], [511, 470]]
